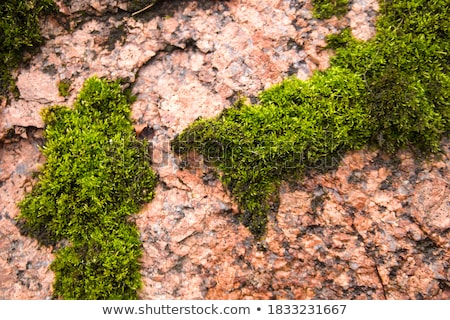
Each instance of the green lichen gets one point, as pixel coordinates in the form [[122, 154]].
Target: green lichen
[[19, 32], [95, 176], [325, 9], [391, 92], [64, 87]]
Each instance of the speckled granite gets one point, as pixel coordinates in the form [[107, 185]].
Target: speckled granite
[[375, 228]]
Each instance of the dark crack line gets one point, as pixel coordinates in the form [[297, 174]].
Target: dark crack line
[[378, 273], [15, 133], [371, 256], [189, 189]]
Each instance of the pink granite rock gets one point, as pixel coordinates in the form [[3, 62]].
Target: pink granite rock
[[371, 229], [24, 272]]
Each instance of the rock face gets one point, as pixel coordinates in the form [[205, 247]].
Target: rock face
[[375, 228], [178, 52], [372, 229], [24, 272]]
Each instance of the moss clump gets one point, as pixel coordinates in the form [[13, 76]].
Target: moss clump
[[298, 125], [64, 87], [406, 72], [19, 31], [325, 9], [392, 92], [96, 175]]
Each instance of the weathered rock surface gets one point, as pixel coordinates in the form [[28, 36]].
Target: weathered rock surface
[[374, 228], [24, 272], [189, 58]]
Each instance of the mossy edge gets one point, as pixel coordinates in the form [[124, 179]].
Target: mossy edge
[[19, 33]]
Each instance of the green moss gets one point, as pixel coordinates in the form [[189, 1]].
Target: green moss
[[19, 32], [64, 87], [299, 124], [392, 92], [324, 9], [96, 175], [406, 72]]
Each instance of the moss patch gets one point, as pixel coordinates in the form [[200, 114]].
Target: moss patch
[[325, 9], [299, 125], [406, 72], [19, 32], [96, 175], [64, 87], [391, 92]]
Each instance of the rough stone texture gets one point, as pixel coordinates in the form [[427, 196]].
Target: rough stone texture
[[374, 228], [189, 58], [24, 272], [92, 7]]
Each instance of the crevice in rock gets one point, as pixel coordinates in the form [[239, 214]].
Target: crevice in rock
[[18, 132], [189, 189], [370, 254], [380, 279]]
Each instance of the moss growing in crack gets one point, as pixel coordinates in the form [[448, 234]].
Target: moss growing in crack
[[392, 92], [324, 9], [64, 87], [299, 124], [96, 175], [19, 32]]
